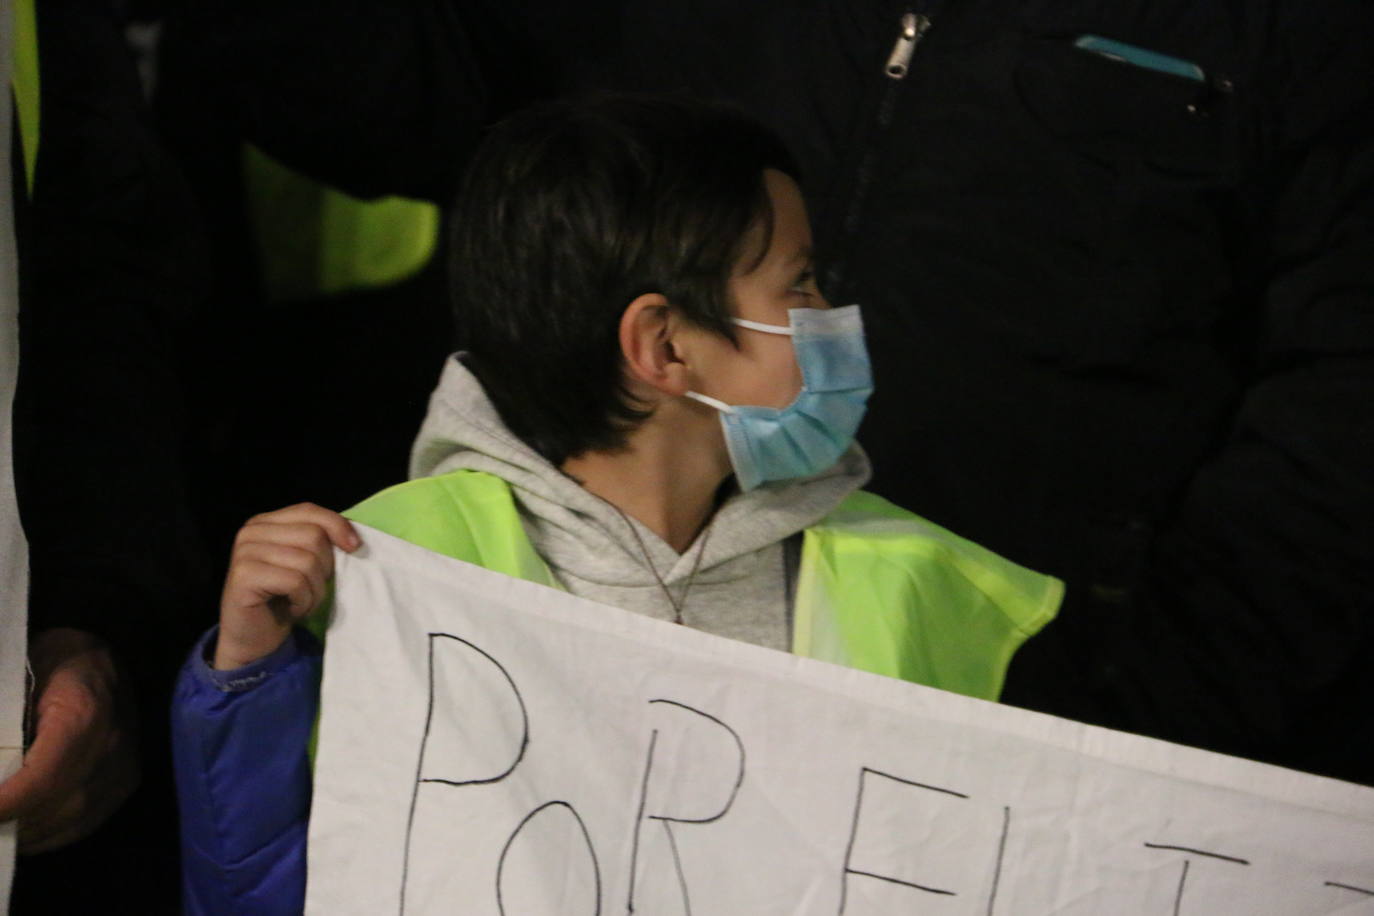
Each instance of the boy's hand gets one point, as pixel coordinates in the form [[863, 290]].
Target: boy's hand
[[277, 574]]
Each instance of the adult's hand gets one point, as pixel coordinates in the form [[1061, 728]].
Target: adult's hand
[[83, 761]]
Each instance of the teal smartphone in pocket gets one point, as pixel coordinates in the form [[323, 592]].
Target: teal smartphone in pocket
[[1140, 57]]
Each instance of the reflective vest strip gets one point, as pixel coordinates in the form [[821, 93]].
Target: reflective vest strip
[[25, 82], [314, 240]]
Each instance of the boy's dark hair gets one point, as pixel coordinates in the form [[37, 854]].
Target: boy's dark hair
[[569, 211]]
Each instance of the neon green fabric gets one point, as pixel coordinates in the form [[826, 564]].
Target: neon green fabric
[[316, 241], [466, 515], [886, 591], [879, 588], [24, 80]]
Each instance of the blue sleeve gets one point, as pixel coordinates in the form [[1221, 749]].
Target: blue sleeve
[[239, 742]]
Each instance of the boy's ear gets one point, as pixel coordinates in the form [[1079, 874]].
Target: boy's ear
[[646, 343]]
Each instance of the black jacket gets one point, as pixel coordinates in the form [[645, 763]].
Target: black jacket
[[1122, 321], [112, 274]]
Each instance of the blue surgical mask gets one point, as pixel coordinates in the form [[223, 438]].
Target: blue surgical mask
[[810, 434]]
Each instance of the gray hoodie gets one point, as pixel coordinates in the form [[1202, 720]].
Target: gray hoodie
[[740, 585]]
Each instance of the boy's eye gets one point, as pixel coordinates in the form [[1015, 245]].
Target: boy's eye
[[805, 282]]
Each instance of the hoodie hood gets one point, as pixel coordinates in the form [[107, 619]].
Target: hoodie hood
[[596, 552]]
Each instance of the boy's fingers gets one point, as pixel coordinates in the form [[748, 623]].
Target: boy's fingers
[[338, 528], [254, 583], [317, 564], [305, 535], [292, 584], [279, 573], [316, 568], [261, 603]]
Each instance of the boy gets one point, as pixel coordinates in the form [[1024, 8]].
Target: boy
[[656, 411]]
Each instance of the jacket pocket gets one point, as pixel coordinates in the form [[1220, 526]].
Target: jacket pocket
[[1119, 111]]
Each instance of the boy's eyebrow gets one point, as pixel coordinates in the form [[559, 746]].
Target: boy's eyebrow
[[802, 254]]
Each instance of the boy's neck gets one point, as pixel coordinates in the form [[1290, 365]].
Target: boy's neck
[[662, 478]]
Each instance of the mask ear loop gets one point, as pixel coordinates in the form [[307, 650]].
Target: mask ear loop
[[710, 402], [765, 328], [723, 407]]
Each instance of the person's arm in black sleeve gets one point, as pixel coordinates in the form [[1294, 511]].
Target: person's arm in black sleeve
[[112, 271], [110, 274]]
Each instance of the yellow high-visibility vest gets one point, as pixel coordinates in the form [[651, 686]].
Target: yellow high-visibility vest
[[878, 588]]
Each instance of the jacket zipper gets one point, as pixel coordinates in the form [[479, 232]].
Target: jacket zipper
[[912, 28]]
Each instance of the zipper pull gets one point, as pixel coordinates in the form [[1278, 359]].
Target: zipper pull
[[913, 27]]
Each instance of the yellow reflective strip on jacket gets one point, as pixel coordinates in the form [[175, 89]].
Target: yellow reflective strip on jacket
[[373, 243], [314, 240], [25, 81], [885, 591]]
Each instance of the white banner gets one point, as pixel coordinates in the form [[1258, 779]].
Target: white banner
[[490, 746], [13, 552]]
